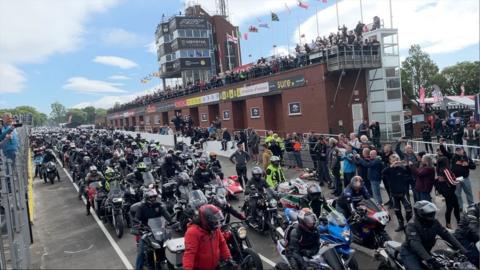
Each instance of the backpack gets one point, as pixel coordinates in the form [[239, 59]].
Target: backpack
[[288, 231]]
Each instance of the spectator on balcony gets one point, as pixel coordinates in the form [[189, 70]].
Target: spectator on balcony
[[376, 23]]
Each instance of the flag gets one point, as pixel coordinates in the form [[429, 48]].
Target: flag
[[232, 39], [264, 25], [253, 29], [302, 35], [462, 88], [288, 9], [245, 35], [422, 94], [324, 1], [437, 94], [303, 4], [275, 17]]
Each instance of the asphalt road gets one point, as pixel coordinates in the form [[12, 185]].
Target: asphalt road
[[65, 238]]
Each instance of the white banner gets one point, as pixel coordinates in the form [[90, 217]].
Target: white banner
[[254, 89]]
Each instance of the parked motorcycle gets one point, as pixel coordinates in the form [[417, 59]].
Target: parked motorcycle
[[240, 247], [233, 186], [390, 258]]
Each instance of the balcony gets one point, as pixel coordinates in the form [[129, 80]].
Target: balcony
[[353, 57]]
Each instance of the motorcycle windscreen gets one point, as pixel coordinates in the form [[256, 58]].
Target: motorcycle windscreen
[[115, 189], [96, 184], [147, 161], [336, 218], [197, 199], [148, 178], [221, 195], [370, 204], [157, 225]]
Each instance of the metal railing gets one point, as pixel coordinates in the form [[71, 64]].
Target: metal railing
[[472, 151], [15, 229]]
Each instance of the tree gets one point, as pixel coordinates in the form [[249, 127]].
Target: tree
[[79, 117], [465, 73], [90, 114], [99, 112], [59, 112], [38, 118], [417, 70]]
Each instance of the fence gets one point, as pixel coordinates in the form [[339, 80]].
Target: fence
[[472, 151], [15, 230]]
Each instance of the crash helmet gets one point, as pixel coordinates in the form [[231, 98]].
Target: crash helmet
[[93, 170], [141, 167], [189, 164], [314, 191], [275, 160], [122, 162], [425, 211], [183, 178], [86, 159], [150, 195], [257, 173], [168, 159], [307, 219], [109, 173], [210, 217]]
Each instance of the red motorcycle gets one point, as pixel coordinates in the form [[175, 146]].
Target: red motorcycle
[[232, 185]]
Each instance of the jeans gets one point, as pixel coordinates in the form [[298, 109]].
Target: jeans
[[452, 205], [410, 260], [398, 201], [377, 195], [466, 186], [242, 175], [428, 146], [140, 255], [424, 196], [298, 159]]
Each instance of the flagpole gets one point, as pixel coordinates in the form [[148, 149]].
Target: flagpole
[[338, 21], [391, 16], [361, 11], [299, 34], [228, 56], [316, 17]]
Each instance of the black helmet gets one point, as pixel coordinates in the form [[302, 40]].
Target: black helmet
[[210, 217], [123, 162], [168, 159], [425, 211], [314, 191], [257, 173], [202, 163], [307, 219], [183, 178]]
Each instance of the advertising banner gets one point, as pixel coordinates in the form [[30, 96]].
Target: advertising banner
[[192, 43], [254, 89], [194, 62], [230, 93], [292, 82], [180, 103], [165, 107], [191, 23]]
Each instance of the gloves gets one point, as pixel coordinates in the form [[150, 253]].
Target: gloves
[[434, 264]]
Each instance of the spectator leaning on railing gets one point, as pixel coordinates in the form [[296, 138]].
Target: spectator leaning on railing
[[9, 144]]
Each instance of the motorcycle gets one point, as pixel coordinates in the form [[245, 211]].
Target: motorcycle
[[266, 211], [50, 172], [333, 229], [368, 224], [114, 208], [168, 195], [185, 207], [155, 237], [327, 257], [240, 247], [390, 259], [291, 192], [37, 160], [232, 185]]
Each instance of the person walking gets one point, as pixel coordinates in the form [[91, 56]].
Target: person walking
[[240, 159], [253, 143], [461, 166]]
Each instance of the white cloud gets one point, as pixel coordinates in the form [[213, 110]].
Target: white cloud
[[438, 26], [107, 102], [115, 61], [240, 11], [119, 77], [281, 51], [85, 85], [151, 47], [31, 31], [121, 37], [12, 79]]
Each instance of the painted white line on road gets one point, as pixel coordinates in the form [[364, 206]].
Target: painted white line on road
[[114, 244], [78, 251]]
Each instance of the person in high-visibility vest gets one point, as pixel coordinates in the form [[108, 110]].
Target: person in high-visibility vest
[[275, 174]]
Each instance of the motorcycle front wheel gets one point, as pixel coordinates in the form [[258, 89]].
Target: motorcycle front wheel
[[118, 224], [251, 260]]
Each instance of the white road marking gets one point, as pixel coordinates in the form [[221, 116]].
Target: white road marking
[[114, 244], [78, 251]]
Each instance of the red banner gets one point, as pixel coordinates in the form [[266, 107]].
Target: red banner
[[181, 103]]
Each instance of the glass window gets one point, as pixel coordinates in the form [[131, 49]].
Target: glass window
[[393, 94], [393, 83], [392, 72], [188, 33], [191, 53], [203, 33], [206, 53], [196, 33]]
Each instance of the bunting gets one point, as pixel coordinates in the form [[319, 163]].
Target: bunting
[[150, 76], [253, 29], [232, 39], [303, 5]]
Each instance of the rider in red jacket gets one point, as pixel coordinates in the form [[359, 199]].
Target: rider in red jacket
[[204, 242]]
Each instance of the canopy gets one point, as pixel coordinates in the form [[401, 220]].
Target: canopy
[[456, 102]]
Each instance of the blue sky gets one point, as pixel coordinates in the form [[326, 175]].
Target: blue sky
[[95, 52]]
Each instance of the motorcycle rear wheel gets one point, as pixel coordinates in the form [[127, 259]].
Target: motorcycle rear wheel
[[251, 260]]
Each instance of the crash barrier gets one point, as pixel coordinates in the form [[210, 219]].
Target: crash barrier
[[16, 234], [472, 152]]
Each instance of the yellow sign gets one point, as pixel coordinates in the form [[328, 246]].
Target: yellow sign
[[194, 101], [230, 93]]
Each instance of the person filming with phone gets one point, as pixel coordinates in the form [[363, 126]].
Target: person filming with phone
[[9, 142]]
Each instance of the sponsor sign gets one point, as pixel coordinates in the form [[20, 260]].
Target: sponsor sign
[[192, 43], [230, 93], [165, 107], [254, 89], [194, 62], [151, 109], [191, 23], [180, 103], [292, 82]]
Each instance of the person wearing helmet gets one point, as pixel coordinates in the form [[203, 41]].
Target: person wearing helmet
[[420, 237], [468, 233], [353, 194], [123, 168], [302, 239], [275, 174], [168, 168], [205, 245], [314, 199], [202, 175], [110, 173], [137, 176], [150, 208], [47, 157], [255, 183], [93, 176], [214, 164]]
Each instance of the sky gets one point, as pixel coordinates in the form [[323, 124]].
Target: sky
[[95, 52]]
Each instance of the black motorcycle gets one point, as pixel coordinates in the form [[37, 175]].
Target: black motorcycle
[[113, 206], [155, 235], [187, 203], [50, 172], [267, 218]]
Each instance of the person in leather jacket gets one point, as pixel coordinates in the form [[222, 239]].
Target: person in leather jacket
[[202, 175], [302, 239], [123, 168], [354, 193], [314, 200], [169, 167], [259, 184], [468, 233], [93, 176], [420, 236], [136, 177], [214, 165]]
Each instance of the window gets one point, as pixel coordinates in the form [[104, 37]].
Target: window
[[393, 94], [203, 33], [196, 33], [189, 33], [181, 32], [392, 72], [393, 83], [206, 53]]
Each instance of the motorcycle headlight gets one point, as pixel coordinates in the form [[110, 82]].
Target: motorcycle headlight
[[156, 245], [242, 232], [273, 203], [117, 200]]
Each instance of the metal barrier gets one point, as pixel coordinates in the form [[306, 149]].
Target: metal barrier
[[472, 151], [15, 230]]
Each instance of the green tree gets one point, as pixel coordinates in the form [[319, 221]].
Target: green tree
[[90, 114], [99, 112], [38, 118], [79, 117], [465, 73], [58, 113], [417, 70]]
